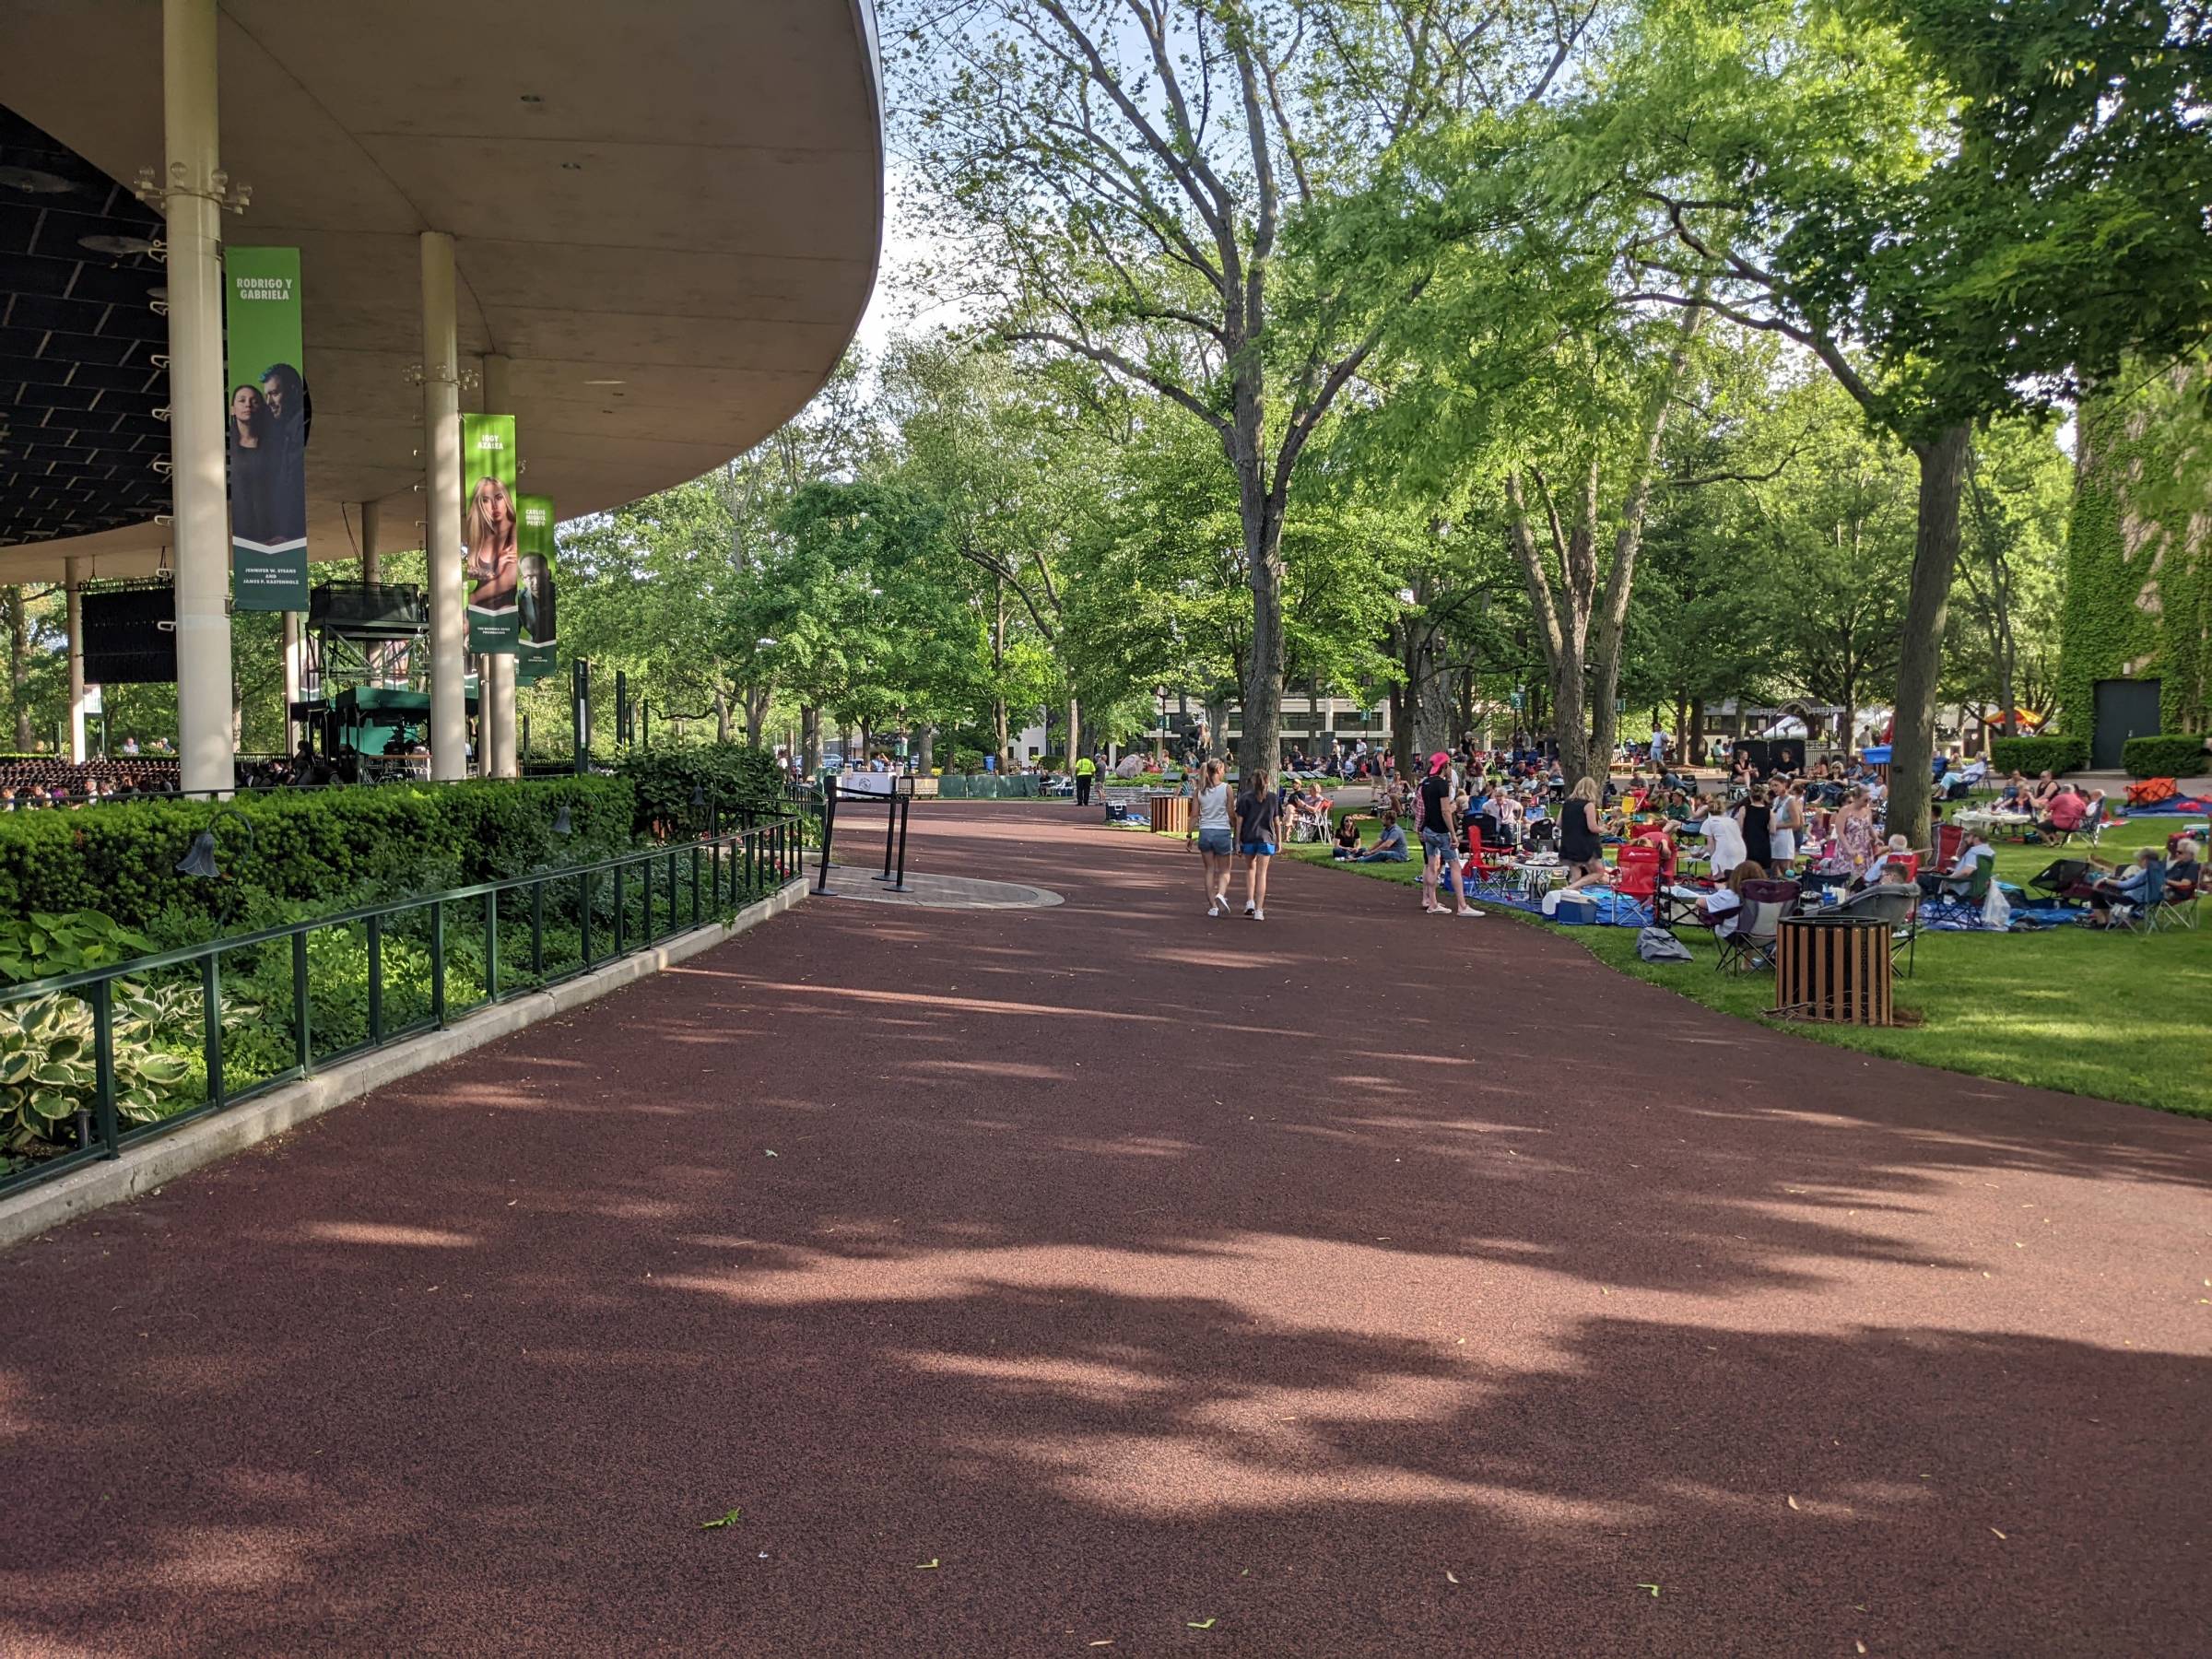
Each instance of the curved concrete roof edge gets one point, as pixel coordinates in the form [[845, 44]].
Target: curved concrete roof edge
[[672, 243]]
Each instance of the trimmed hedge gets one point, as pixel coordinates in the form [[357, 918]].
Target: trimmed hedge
[[333, 847], [2050, 753], [732, 776], [2168, 754]]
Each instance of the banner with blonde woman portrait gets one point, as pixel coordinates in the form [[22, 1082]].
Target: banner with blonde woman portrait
[[534, 659], [491, 560]]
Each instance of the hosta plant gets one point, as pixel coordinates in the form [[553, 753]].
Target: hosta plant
[[49, 1070]]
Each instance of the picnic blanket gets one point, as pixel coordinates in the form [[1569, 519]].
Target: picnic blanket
[[2173, 806]]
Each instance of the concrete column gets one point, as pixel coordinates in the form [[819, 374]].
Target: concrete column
[[76, 578], [295, 673], [442, 510], [195, 395], [497, 693], [372, 517]]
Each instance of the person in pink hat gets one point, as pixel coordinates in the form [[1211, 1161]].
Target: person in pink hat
[[1440, 831]]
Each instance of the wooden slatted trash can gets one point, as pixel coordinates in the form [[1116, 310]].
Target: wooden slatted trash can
[[1172, 815], [1834, 969]]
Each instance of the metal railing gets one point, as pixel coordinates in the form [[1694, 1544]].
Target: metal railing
[[613, 909]]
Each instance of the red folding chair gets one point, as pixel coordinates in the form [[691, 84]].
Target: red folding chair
[[1485, 870], [1638, 876]]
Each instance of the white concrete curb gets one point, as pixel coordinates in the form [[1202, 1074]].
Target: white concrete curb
[[141, 1168]]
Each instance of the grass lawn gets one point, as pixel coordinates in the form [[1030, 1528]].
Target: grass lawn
[[2111, 1015]]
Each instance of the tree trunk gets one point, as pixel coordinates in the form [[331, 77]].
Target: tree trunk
[[1934, 555], [998, 669], [1613, 613], [1075, 733], [810, 739], [1692, 735], [722, 715], [756, 713], [1262, 744], [925, 757], [19, 665]]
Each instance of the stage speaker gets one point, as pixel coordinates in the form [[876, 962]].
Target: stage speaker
[[131, 636]]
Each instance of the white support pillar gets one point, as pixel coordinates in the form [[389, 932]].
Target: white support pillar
[[442, 510], [75, 575], [295, 673], [495, 693], [371, 550], [195, 395]]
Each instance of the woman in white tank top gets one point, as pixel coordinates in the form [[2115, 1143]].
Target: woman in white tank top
[[1215, 846]]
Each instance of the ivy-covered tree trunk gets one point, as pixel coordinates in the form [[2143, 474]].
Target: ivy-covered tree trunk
[[19, 666], [1928, 606]]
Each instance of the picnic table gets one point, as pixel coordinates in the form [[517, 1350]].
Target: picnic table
[[1994, 823]]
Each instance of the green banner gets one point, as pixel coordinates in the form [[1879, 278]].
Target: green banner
[[535, 657], [268, 429], [492, 561]]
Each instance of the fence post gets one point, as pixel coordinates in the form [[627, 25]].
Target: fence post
[[376, 980], [303, 1036], [211, 1023], [103, 1062], [438, 962], [829, 828], [905, 811]]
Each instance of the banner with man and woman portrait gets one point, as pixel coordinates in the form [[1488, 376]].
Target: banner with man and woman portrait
[[269, 420], [492, 561], [534, 658]]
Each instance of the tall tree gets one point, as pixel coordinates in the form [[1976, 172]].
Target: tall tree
[[1961, 212], [1130, 165]]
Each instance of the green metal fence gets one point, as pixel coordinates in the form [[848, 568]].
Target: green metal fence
[[95, 1056]]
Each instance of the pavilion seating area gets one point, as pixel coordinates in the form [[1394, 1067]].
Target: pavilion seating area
[[29, 784]]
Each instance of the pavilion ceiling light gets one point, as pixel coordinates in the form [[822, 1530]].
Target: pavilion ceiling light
[[122, 247], [31, 182]]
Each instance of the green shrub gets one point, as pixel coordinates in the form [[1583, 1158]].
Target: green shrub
[[966, 760], [2170, 755], [2049, 753], [328, 848], [731, 776]]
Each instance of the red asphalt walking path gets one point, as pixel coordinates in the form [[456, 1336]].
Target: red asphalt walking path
[[1349, 1283]]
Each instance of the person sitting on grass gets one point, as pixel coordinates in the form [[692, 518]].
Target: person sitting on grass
[[1348, 838], [2133, 887], [1389, 846]]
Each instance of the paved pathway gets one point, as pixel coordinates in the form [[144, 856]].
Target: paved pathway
[[1345, 1284]]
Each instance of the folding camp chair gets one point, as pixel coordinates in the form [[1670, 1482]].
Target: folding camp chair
[[2176, 912], [2061, 877], [2143, 919], [1752, 945], [1899, 906], [1637, 876], [2091, 829]]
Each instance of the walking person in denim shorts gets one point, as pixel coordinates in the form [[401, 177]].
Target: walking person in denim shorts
[[1258, 811], [1440, 820], [1215, 849]]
